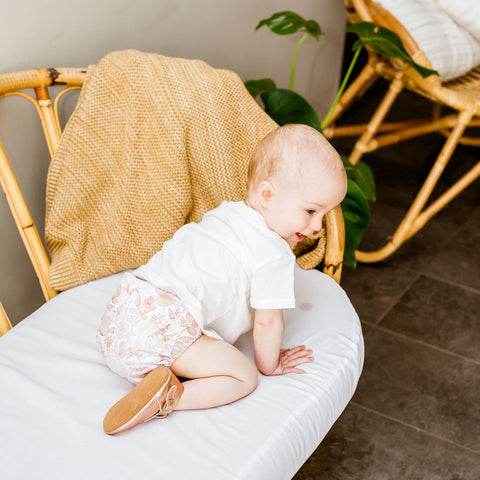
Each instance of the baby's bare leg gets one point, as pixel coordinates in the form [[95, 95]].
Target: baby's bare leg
[[220, 374]]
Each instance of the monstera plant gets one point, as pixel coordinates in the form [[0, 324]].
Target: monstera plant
[[287, 106]]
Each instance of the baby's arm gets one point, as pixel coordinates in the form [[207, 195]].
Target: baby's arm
[[267, 340]]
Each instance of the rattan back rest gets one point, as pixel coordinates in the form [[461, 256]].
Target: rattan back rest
[[40, 80], [41, 77], [13, 84]]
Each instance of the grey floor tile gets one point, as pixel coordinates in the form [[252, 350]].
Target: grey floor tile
[[401, 195], [461, 207], [401, 169], [416, 253], [459, 260], [374, 289], [363, 445], [421, 386], [439, 314], [366, 327]]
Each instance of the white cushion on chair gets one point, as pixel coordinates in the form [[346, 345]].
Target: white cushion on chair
[[465, 13], [451, 49]]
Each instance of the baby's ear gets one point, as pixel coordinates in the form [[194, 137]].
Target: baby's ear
[[265, 190]]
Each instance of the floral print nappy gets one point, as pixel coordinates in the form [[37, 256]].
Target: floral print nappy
[[144, 327]]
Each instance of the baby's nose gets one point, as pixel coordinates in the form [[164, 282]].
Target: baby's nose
[[316, 224]]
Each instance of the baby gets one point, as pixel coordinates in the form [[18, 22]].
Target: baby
[[180, 314]]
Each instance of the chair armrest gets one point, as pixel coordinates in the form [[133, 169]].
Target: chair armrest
[[335, 247]]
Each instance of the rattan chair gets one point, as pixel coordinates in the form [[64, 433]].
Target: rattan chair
[[39, 80], [51, 357], [460, 94]]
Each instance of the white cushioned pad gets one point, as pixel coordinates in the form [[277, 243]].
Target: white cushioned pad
[[56, 389]]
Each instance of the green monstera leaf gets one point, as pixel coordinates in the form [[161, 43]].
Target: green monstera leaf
[[262, 85], [363, 176], [356, 214], [288, 23], [285, 106], [385, 42]]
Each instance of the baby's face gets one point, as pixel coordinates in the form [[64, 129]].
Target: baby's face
[[298, 203]]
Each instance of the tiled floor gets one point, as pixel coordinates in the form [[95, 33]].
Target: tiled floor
[[416, 411]]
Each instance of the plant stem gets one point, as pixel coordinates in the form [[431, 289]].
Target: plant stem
[[342, 88], [294, 62]]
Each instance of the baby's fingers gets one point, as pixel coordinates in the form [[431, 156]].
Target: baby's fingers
[[294, 350], [299, 359], [294, 370], [297, 353]]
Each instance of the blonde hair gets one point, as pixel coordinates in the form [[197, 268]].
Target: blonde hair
[[284, 147]]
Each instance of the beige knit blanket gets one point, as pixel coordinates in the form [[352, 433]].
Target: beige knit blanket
[[154, 142]]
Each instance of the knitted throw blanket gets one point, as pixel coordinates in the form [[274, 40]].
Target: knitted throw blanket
[[154, 142]]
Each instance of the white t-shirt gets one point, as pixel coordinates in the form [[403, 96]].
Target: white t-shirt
[[223, 267]]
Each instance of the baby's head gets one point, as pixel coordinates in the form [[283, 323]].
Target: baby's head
[[294, 177]]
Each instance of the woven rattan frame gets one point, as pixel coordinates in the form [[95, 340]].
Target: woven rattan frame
[[462, 95], [5, 324], [39, 80]]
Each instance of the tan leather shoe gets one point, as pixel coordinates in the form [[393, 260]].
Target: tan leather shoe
[[154, 397]]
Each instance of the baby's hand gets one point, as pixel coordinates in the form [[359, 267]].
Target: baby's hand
[[290, 359]]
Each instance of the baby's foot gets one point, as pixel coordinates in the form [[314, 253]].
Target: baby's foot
[[154, 397]]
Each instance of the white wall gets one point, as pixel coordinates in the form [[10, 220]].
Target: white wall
[[47, 33]]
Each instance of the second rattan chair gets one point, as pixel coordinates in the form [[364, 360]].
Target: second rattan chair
[[461, 94]]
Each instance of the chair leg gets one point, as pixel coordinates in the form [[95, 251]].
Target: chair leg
[[414, 220], [447, 196], [361, 146]]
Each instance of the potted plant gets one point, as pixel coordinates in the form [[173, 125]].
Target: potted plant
[[287, 106]]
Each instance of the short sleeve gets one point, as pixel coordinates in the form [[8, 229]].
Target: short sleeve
[[272, 284]]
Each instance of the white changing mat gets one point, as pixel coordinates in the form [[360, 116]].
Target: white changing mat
[[55, 390]]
